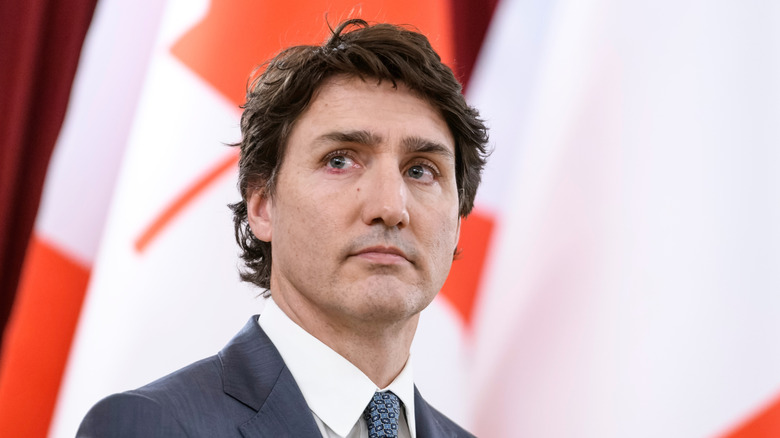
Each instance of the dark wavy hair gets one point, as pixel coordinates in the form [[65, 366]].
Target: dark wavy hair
[[277, 97]]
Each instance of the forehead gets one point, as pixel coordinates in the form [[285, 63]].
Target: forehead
[[385, 110]]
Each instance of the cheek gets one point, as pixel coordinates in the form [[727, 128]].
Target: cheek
[[308, 222], [442, 239]]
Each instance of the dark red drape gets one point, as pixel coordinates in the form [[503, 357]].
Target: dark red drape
[[40, 44], [470, 19]]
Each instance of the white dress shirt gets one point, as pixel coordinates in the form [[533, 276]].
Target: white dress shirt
[[336, 391]]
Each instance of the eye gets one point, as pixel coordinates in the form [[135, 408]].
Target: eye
[[421, 172], [339, 162]]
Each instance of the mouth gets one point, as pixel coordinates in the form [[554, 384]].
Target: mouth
[[383, 255]]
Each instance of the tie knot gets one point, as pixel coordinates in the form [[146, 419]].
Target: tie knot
[[382, 415]]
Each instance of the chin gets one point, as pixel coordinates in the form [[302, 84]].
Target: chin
[[391, 298]]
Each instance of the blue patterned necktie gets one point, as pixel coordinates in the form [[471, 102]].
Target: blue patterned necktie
[[382, 415]]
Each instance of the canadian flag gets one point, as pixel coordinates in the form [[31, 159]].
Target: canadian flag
[[621, 272]]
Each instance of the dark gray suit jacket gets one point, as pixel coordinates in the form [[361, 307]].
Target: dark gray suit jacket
[[245, 391]]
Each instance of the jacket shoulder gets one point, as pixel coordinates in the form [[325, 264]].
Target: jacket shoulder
[[194, 384], [209, 398], [188, 402], [130, 415]]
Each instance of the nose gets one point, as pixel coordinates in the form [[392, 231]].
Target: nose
[[385, 197]]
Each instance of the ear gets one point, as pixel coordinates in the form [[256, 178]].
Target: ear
[[456, 251], [457, 232], [259, 214]]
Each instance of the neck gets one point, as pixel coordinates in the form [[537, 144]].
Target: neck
[[380, 355], [380, 349]]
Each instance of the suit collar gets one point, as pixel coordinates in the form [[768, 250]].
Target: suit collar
[[254, 373]]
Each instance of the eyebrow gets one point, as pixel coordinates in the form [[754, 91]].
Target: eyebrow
[[422, 145], [411, 144], [358, 137]]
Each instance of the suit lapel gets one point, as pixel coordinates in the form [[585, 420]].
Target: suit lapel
[[282, 414], [254, 373]]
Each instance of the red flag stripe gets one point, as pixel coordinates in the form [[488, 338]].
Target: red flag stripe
[[765, 424], [462, 284], [39, 337]]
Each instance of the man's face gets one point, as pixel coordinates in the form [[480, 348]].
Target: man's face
[[364, 219]]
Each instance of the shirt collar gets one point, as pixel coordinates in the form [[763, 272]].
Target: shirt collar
[[335, 389]]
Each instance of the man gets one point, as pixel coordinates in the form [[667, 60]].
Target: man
[[358, 159]]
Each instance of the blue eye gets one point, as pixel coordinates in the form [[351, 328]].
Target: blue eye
[[422, 173], [338, 162], [416, 172]]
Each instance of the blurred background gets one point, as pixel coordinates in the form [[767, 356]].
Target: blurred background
[[620, 274]]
